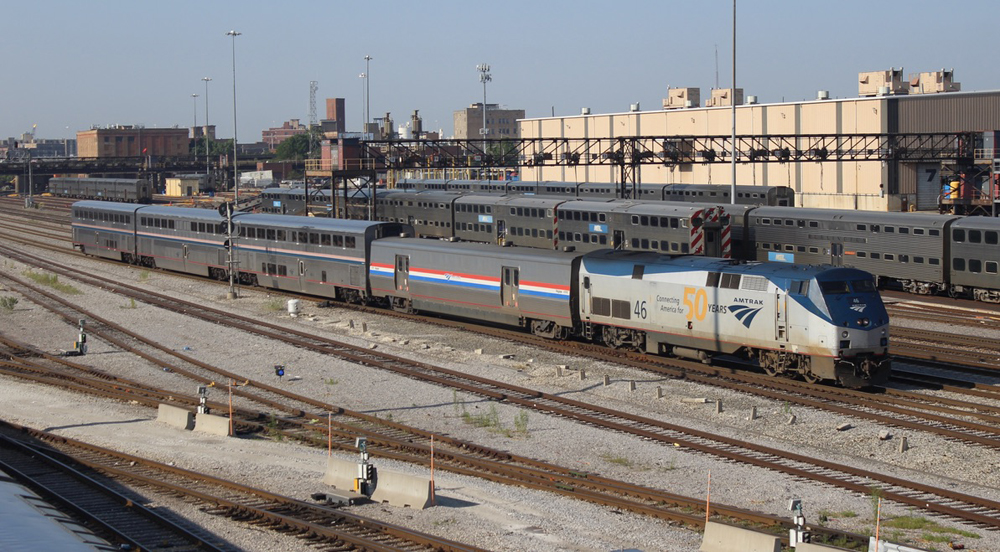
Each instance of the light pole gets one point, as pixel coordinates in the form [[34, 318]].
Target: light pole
[[204, 135], [484, 77], [194, 129], [732, 97], [236, 170], [368, 97], [364, 111]]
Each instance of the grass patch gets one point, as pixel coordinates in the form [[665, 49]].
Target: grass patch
[[614, 459], [8, 303], [274, 304], [271, 429], [489, 420], [52, 281], [926, 525], [130, 305], [331, 381], [825, 515], [521, 423], [143, 275]]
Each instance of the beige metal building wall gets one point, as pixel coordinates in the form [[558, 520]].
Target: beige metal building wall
[[846, 184]]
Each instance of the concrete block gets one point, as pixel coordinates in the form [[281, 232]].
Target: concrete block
[[607, 380], [350, 324], [175, 416], [400, 489], [479, 351], [791, 419], [559, 370], [844, 427], [211, 424], [903, 446], [364, 327], [718, 406], [884, 435], [698, 400], [631, 385], [506, 356], [753, 413], [583, 374], [810, 547], [726, 538], [340, 473], [659, 392]]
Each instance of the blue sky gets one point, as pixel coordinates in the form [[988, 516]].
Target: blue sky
[[70, 64]]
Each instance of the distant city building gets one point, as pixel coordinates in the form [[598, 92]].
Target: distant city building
[[198, 132], [501, 123], [336, 116], [133, 141], [39, 147], [273, 137]]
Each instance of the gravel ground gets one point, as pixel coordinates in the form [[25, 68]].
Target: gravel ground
[[469, 510]]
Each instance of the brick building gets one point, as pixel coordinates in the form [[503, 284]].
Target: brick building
[[501, 123], [273, 137], [133, 141]]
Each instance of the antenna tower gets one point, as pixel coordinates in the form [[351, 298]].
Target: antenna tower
[[313, 121]]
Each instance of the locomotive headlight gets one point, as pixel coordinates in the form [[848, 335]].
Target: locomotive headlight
[[844, 333], [863, 322]]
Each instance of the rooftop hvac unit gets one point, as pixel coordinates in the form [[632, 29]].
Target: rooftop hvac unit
[[823, 95], [634, 107], [883, 90], [751, 100], [688, 103], [585, 111]]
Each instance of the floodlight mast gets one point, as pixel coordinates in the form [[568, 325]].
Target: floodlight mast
[[484, 77]]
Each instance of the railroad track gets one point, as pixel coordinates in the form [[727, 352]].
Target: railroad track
[[319, 525], [858, 481], [118, 518]]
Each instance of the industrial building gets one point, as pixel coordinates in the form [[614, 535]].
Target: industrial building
[[887, 104], [133, 141], [500, 123]]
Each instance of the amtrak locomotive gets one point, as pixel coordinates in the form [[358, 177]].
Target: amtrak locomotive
[[821, 323]]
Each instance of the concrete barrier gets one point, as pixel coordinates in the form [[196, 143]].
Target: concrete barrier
[[810, 547], [175, 416], [340, 473], [399, 489], [213, 425], [726, 538], [885, 546]]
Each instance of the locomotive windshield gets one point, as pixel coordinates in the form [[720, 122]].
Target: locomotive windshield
[[847, 286]]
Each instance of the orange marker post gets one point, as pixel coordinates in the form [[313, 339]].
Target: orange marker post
[[432, 471], [231, 430], [708, 497]]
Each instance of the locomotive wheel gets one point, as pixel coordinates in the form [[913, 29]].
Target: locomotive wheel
[[811, 377]]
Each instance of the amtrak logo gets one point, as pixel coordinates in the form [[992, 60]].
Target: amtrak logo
[[744, 313], [858, 305]]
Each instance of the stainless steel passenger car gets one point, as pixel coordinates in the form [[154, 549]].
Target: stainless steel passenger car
[[104, 189], [313, 255], [514, 286], [105, 229], [903, 247], [674, 228], [430, 213], [974, 255]]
